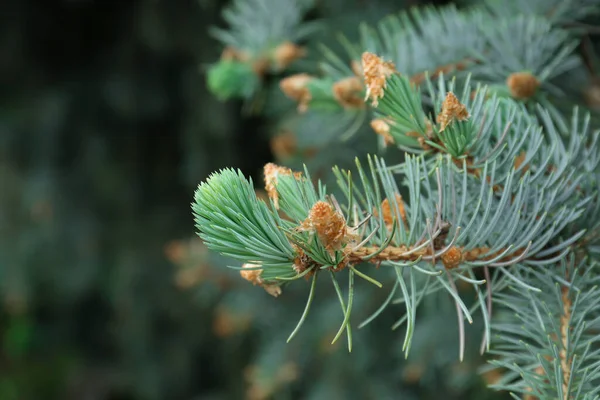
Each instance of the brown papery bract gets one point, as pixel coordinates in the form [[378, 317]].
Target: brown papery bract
[[375, 72], [452, 110]]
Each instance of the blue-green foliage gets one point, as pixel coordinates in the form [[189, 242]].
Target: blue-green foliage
[[547, 341], [233, 221], [512, 187], [228, 79]]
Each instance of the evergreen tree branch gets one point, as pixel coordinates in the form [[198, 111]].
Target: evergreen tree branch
[[551, 340], [491, 181], [558, 11], [257, 44]]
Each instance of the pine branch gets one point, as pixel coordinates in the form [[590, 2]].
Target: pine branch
[[558, 11], [266, 30], [416, 41], [375, 225], [525, 44], [257, 44], [549, 344], [494, 178], [508, 53]]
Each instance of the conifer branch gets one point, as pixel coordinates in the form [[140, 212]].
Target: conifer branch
[[257, 44], [491, 180], [515, 55], [558, 11], [550, 340], [306, 230]]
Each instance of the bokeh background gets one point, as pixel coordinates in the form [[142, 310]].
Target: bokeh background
[[106, 128]]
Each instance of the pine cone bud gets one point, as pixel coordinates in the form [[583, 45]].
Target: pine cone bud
[[375, 72], [381, 126], [296, 88], [452, 109], [348, 92], [452, 258], [286, 53], [522, 85], [327, 223]]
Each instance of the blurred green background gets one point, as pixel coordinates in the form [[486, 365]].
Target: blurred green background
[[106, 128]]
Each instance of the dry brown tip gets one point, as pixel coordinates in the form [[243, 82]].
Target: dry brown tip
[[348, 92], [273, 290], [452, 258], [189, 277], [491, 377], [592, 94], [226, 323], [389, 214], [522, 85], [260, 66], [381, 126], [428, 128], [259, 63], [428, 133], [288, 373], [286, 53], [302, 262], [530, 396], [253, 276], [452, 109], [327, 223], [175, 251], [423, 144], [519, 160], [232, 54], [284, 145], [412, 373], [417, 78], [296, 88], [272, 172], [375, 72], [539, 370], [476, 253], [223, 323]]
